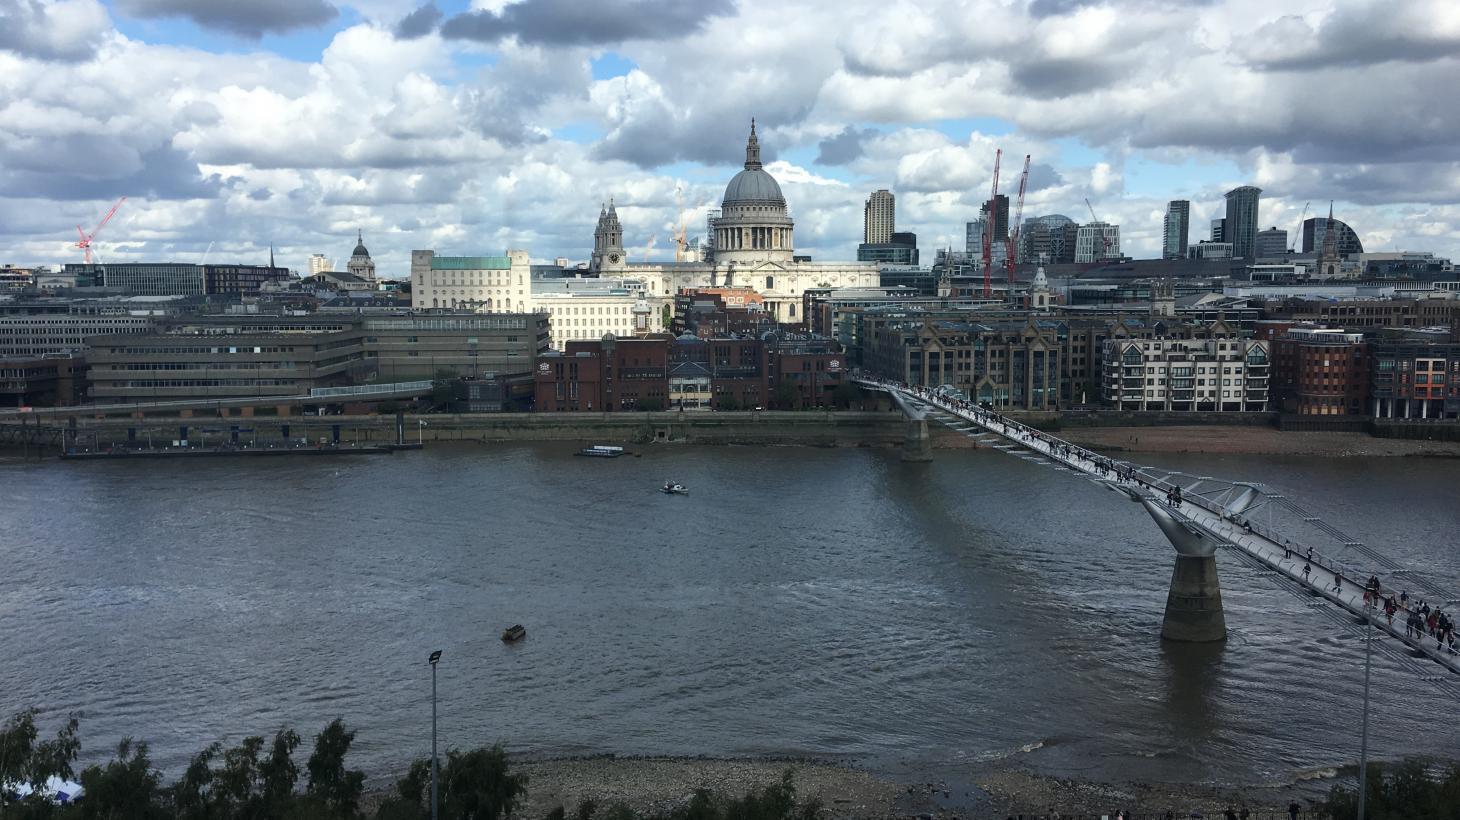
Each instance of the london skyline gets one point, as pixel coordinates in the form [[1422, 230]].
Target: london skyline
[[506, 124]]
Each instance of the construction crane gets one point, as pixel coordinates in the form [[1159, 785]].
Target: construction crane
[[1011, 245], [87, 238], [1104, 239], [649, 247], [1297, 235], [681, 243], [988, 229]]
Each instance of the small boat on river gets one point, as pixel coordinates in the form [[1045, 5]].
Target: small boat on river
[[601, 451], [514, 633], [672, 488]]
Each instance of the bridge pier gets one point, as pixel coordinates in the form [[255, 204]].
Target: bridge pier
[[916, 444], [1194, 603]]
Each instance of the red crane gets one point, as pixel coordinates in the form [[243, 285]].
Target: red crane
[[1011, 246], [86, 238], [988, 229]]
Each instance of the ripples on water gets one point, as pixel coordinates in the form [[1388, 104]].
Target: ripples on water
[[835, 603]]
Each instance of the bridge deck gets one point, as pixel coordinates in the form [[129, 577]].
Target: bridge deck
[[1270, 550]]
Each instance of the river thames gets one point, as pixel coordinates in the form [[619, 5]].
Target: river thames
[[817, 602]]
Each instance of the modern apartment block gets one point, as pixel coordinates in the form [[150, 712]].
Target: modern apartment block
[[879, 218], [1320, 372], [1224, 375], [1240, 224], [1177, 229]]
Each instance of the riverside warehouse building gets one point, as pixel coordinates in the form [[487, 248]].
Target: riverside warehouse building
[[253, 356]]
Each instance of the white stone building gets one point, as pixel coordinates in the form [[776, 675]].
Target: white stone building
[[1224, 374]]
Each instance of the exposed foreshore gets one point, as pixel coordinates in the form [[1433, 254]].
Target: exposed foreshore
[[657, 784], [1251, 440]]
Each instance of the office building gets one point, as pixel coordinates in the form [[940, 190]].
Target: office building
[[1097, 242], [318, 264], [879, 218], [996, 211], [1346, 242], [900, 249], [41, 334], [1240, 227], [1177, 229], [1210, 250], [52, 380], [1219, 230], [1272, 243], [252, 356]]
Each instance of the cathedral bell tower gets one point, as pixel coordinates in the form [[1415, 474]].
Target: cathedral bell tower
[[608, 241]]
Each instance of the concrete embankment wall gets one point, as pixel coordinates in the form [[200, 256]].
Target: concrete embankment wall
[[816, 429]]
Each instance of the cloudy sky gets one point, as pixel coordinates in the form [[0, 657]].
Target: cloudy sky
[[471, 126]]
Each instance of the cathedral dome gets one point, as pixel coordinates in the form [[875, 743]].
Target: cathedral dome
[[360, 246], [753, 185]]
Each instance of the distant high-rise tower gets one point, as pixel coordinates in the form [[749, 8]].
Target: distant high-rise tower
[[1219, 230], [879, 219], [1241, 225], [360, 263], [318, 264], [1178, 228], [999, 218]]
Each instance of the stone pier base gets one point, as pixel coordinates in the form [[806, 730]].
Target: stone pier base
[[917, 446], [1194, 604]]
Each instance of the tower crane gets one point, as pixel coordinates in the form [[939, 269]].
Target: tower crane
[[1299, 232], [86, 238], [681, 243], [1104, 239], [988, 229], [1011, 245]]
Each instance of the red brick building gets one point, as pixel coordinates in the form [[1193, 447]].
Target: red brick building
[[604, 376], [1320, 372], [660, 372]]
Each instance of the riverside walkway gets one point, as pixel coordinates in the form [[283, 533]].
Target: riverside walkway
[[1221, 511]]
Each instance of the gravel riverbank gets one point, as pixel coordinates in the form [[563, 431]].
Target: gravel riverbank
[[650, 785]]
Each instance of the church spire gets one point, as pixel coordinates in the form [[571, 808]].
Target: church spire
[[271, 254], [752, 148]]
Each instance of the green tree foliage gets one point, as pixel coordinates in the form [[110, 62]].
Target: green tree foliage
[[412, 797], [25, 761], [1405, 791], [477, 785], [651, 405], [334, 789], [127, 786], [728, 403]]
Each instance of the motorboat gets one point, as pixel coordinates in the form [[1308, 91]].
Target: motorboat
[[672, 488], [513, 633], [601, 451]]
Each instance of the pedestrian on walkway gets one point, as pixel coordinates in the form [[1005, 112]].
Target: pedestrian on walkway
[[1337, 581], [1307, 570], [1404, 599], [1293, 809]]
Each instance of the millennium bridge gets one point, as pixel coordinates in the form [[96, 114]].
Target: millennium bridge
[[1210, 514]]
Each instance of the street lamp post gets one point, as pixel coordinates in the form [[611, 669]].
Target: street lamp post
[[421, 433], [435, 788], [1364, 732]]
